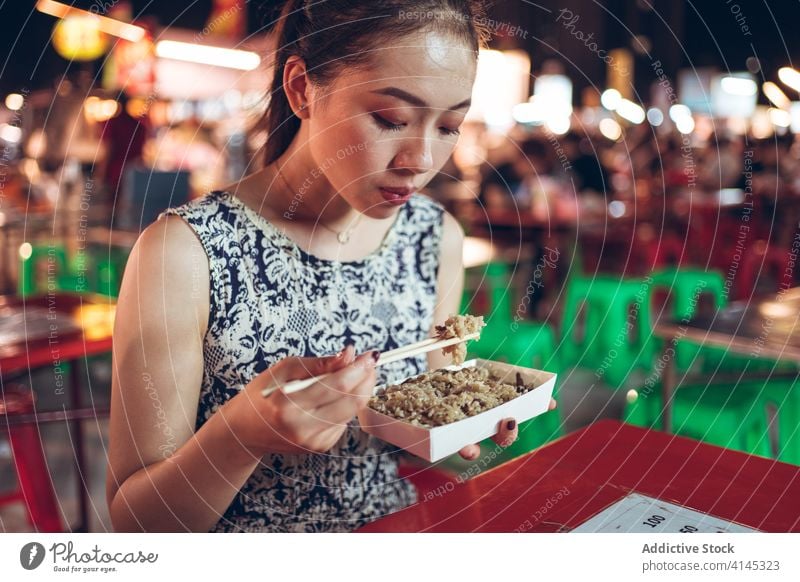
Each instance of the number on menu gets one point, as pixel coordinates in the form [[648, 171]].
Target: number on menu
[[653, 520]]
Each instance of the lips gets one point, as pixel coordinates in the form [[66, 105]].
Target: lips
[[397, 195]]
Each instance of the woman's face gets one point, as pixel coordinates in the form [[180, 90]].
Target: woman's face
[[394, 125]]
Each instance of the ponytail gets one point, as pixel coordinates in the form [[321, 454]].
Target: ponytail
[[279, 118]]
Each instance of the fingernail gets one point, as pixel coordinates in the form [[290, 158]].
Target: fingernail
[[375, 355], [511, 424]]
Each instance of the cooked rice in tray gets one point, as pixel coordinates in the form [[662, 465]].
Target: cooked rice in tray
[[441, 396], [459, 326]]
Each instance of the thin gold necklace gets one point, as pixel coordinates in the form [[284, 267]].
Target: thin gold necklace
[[342, 236]]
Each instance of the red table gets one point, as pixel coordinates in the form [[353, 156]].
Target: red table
[[93, 316], [93, 337], [561, 485]]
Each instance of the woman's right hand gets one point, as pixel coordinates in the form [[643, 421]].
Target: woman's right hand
[[308, 421]]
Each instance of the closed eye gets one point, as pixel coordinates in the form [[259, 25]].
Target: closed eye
[[387, 125], [384, 123]]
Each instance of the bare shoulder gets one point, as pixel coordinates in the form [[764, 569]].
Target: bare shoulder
[[168, 272], [452, 235], [170, 239]]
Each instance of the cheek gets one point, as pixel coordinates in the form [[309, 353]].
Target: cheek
[[351, 152]]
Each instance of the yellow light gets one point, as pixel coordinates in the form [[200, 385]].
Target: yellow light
[[78, 38], [99, 110], [760, 124], [25, 251], [508, 69], [207, 55], [104, 23], [685, 125], [679, 111], [789, 77], [559, 125], [477, 251], [775, 95], [96, 320], [136, 108], [15, 101], [780, 118], [630, 111], [610, 129], [610, 99]]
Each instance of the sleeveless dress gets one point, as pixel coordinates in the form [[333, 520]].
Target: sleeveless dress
[[269, 299]]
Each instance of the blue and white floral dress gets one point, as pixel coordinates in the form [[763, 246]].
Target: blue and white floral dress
[[269, 299]]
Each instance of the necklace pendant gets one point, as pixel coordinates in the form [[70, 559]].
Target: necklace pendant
[[343, 237]]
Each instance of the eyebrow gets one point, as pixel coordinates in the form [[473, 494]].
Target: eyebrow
[[414, 100]]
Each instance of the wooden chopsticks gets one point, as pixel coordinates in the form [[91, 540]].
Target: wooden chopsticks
[[409, 351]]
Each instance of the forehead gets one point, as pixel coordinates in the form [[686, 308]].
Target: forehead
[[435, 67]]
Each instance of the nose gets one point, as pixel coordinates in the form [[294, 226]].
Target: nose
[[415, 155]]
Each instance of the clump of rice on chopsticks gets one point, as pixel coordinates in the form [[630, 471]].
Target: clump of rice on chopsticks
[[459, 326]]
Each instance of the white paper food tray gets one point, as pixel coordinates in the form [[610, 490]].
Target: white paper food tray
[[433, 444]]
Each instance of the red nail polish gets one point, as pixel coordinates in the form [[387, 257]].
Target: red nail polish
[[511, 424], [375, 355]]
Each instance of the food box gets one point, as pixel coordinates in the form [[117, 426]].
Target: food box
[[435, 443]]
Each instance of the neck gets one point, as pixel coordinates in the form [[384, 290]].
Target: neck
[[300, 191]]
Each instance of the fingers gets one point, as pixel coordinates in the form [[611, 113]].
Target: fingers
[[553, 405], [343, 382], [507, 433], [470, 452], [338, 383], [343, 409], [295, 368]]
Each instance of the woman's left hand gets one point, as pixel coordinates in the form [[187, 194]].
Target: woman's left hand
[[505, 436]]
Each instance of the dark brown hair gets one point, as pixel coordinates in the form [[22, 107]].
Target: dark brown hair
[[332, 35]]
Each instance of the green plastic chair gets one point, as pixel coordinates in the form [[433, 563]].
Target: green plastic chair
[[109, 268], [779, 405], [506, 338], [615, 335], [726, 417], [47, 268], [685, 286], [715, 359]]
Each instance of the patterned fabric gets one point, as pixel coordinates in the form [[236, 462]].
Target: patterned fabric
[[270, 299]]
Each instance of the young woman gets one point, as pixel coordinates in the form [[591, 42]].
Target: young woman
[[326, 250]]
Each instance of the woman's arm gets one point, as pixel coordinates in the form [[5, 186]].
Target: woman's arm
[[161, 475]]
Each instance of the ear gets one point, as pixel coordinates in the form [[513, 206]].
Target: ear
[[297, 86]]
